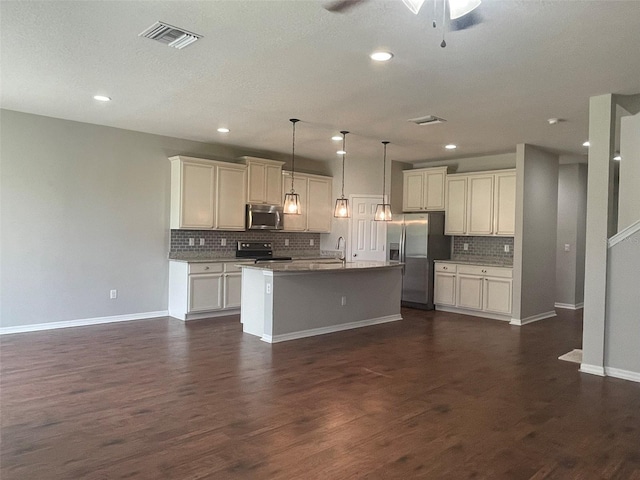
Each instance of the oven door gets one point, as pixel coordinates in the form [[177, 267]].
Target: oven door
[[264, 217]]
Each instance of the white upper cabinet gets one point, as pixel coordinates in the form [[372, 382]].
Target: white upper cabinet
[[505, 204], [230, 192], [207, 194], [315, 203], [455, 218], [481, 203], [424, 189], [264, 184]]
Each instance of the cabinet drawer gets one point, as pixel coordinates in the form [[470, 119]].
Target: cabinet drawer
[[486, 271], [446, 267], [205, 267]]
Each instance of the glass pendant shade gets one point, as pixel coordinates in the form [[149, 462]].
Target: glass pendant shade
[[292, 199], [414, 5], [342, 208], [291, 203], [383, 212]]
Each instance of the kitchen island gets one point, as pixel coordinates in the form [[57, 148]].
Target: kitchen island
[[285, 301]]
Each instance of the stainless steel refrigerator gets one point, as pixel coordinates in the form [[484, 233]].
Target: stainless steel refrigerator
[[417, 239]]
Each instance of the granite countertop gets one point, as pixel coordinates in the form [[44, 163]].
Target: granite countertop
[[489, 261], [315, 267], [212, 257]]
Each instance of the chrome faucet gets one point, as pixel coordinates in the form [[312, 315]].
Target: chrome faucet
[[342, 250]]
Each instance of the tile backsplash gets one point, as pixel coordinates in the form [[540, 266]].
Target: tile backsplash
[[482, 247], [212, 241]]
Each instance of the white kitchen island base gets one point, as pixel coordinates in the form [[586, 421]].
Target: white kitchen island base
[[287, 301]]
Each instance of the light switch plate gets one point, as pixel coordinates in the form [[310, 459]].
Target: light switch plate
[[506, 248], [465, 246], [567, 247]]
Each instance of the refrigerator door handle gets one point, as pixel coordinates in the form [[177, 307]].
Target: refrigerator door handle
[[402, 240]]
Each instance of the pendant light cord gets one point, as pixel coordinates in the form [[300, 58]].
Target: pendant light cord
[[344, 154], [293, 151], [384, 171]]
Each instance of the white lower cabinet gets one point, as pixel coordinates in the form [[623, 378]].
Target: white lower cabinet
[[475, 288], [445, 285], [203, 289]]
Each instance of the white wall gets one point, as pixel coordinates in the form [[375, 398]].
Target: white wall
[[534, 269], [622, 330], [629, 189], [572, 197], [85, 209]]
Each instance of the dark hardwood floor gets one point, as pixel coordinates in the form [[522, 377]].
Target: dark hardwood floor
[[436, 396]]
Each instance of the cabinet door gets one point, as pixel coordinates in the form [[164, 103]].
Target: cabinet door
[[232, 289], [470, 291], [230, 196], [412, 192], [505, 204], [197, 193], [434, 190], [205, 292], [480, 205], [273, 185], [497, 295], [256, 181], [455, 218], [296, 223], [445, 289], [319, 208]]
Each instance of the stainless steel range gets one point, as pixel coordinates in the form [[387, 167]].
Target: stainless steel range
[[260, 251]]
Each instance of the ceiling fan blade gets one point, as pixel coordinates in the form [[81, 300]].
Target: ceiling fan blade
[[470, 20], [459, 8], [341, 6]]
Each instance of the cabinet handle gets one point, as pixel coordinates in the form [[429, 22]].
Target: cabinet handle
[[484, 271], [206, 268]]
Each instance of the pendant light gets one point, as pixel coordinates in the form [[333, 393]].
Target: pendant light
[[342, 204], [383, 210], [292, 199]]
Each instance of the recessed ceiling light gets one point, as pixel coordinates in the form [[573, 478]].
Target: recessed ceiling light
[[102, 98], [381, 56], [223, 130], [336, 138], [586, 144], [617, 157], [554, 121], [341, 152], [451, 146]]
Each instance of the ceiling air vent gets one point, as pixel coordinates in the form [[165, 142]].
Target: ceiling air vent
[[428, 120], [172, 36]]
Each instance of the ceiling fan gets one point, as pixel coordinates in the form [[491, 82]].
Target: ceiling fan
[[461, 12]]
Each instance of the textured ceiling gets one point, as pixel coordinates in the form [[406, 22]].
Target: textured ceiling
[[261, 62]]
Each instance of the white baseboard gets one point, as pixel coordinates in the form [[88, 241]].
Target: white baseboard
[[569, 306], [475, 313], [83, 322], [185, 317], [330, 329], [592, 369], [535, 318], [623, 374]]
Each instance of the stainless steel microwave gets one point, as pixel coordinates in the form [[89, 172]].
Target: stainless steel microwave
[[264, 217]]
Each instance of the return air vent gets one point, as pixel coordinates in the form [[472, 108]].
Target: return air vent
[[428, 120], [172, 36]]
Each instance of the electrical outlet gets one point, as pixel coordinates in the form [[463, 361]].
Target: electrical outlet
[[311, 242], [223, 242], [192, 242], [202, 242], [567, 247], [268, 289], [286, 242], [506, 248], [343, 302], [113, 294], [465, 246]]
